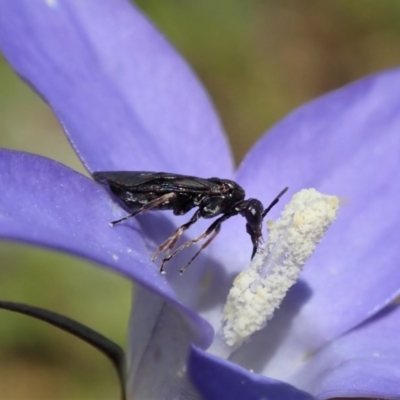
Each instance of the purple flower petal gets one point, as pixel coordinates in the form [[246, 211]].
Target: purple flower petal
[[221, 380], [124, 97], [147, 111], [47, 204], [345, 143], [159, 343], [363, 363]]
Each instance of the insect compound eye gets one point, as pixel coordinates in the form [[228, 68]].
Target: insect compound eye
[[253, 213]]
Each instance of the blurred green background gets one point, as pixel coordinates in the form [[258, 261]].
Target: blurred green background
[[259, 60]]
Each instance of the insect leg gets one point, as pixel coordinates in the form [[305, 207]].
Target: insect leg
[[212, 229], [274, 202], [148, 206], [203, 246], [171, 241]]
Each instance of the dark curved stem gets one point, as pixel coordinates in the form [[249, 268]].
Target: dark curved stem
[[110, 349]]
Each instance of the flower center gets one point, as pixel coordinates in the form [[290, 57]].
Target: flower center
[[258, 291]]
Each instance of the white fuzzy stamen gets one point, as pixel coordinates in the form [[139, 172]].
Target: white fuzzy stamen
[[257, 292]]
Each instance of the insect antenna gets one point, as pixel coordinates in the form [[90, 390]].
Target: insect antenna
[[274, 202]]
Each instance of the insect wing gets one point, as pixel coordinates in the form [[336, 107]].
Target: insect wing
[[161, 182], [127, 179]]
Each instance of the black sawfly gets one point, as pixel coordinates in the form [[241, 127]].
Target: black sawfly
[[144, 191]]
